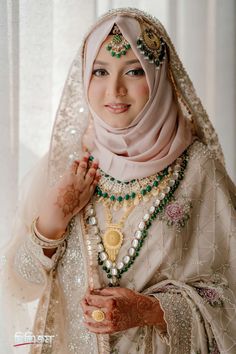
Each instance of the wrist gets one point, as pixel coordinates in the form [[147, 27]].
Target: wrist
[[50, 231], [154, 316]]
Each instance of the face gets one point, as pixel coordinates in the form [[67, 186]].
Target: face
[[118, 88]]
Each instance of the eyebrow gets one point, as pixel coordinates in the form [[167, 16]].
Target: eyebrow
[[128, 62]]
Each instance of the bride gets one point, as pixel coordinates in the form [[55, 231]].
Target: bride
[[125, 233]]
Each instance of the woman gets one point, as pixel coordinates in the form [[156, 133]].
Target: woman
[[130, 250]]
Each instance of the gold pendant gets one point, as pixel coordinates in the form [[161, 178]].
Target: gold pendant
[[112, 241]]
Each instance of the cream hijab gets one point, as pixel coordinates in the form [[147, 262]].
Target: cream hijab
[[157, 136]]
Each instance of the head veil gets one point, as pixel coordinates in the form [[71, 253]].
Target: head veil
[[73, 115]]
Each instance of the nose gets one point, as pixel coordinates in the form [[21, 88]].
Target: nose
[[116, 87]]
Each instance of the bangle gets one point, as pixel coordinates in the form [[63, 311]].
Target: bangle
[[44, 242]]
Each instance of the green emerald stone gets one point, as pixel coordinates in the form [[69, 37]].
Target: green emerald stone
[[127, 197], [112, 198], [148, 188], [113, 53], [143, 191], [133, 195], [117, 38], [105, 195], [155, 183], [118, 55], [109, 275], [120, 199]]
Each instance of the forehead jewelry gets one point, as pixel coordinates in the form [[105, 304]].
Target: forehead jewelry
[[151, 45], [118, 45]]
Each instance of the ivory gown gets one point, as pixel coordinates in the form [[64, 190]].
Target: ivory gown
[[190, 269]]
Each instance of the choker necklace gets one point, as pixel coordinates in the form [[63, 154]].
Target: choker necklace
[[120, 194], [106, 256]]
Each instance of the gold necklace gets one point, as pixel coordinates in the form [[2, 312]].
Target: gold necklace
[[113, 237]]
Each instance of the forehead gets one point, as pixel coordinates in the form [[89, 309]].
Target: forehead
[[104, 55]]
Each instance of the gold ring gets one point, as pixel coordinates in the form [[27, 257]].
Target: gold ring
[[98, 315]]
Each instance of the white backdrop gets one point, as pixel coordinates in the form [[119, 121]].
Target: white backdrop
[[38, 40]]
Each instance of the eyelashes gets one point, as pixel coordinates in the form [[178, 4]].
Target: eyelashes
[[136, 72], [99, 72], [133, 72]]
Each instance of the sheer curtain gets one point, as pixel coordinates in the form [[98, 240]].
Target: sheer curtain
[[38, 40]]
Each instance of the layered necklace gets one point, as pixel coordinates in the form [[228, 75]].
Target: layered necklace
[[114, 194]]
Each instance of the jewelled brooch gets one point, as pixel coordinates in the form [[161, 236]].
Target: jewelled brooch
[[151, 45]]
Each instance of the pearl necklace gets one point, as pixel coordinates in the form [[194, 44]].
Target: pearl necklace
[[114, 269]]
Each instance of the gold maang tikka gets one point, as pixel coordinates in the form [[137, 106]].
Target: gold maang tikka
[[118, 45]]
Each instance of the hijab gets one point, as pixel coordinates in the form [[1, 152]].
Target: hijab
[[157, 136]]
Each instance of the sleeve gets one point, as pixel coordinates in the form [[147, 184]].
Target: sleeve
[[200, 309], [26, 265]]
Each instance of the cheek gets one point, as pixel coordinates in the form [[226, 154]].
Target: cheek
[[94, 92], [142, 90]]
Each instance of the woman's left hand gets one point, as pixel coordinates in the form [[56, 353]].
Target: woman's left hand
[[123, 309]]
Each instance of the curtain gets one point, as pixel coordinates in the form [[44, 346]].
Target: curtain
[[38, 40]]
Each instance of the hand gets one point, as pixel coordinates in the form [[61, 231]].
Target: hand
[[123, 308], [68, 197]]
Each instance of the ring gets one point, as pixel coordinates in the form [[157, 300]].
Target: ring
[[98, 315]]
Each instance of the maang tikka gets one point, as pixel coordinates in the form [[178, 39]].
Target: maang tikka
[[151, 45], [118, 45]]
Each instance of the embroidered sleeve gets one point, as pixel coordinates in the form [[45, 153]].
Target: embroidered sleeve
[[32, 264], [178, 316]]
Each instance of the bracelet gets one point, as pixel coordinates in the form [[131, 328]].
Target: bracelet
[[44, 242]]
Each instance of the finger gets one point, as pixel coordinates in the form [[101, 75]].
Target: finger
[[96, 300], [108, 291], [83, 304], [98, 327], [97, 178], [82, 168], [74, 166], [88, 315], [85, 157], [90, 176], [95, 164]]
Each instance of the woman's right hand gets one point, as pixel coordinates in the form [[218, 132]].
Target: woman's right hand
[[67, 197]]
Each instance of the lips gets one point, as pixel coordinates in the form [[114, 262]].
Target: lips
[[117, 107]]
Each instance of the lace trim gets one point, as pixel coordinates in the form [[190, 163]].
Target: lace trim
[[178, 316]]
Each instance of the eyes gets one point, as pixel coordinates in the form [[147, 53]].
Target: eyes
[[132, 72]]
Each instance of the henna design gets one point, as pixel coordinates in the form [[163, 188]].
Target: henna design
[[68, 199], [128, 309]]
